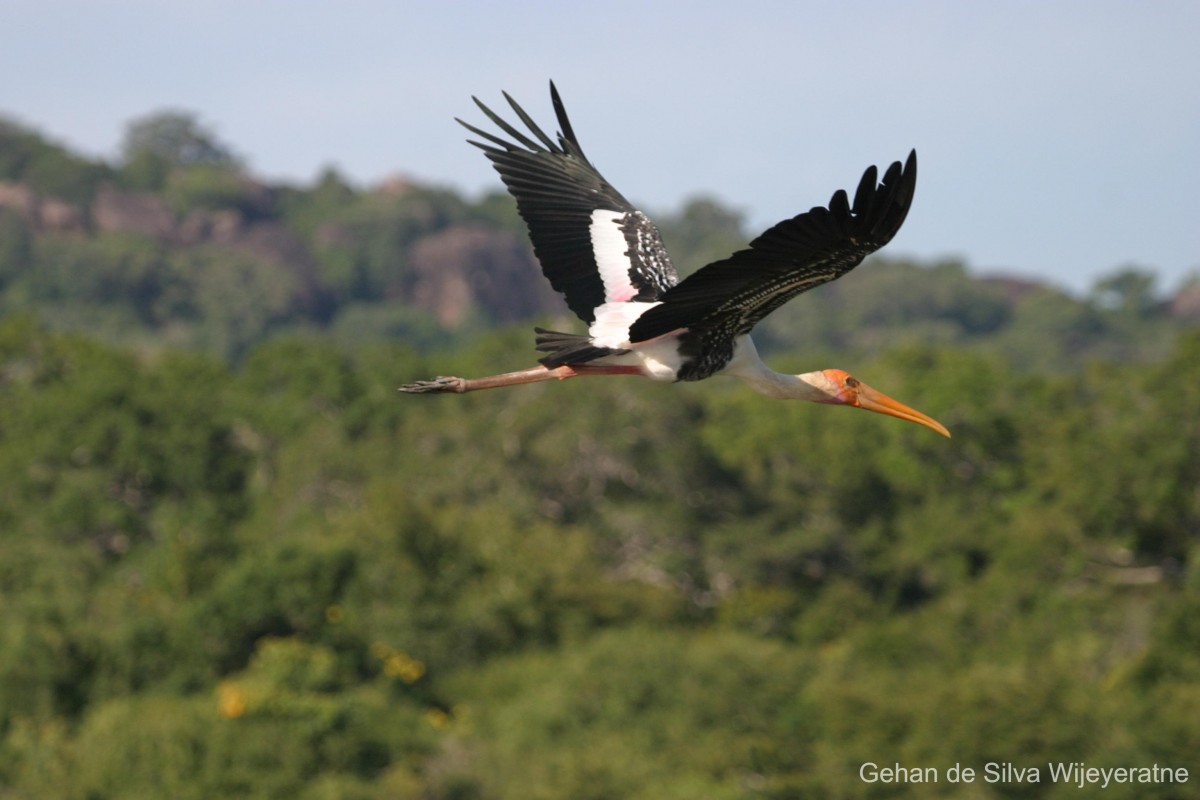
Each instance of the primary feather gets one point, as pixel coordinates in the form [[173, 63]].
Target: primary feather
[[593, 245], [815, 247]]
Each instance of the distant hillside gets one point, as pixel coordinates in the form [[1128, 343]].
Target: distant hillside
[[178, 244]]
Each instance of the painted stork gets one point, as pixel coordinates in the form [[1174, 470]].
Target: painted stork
[[606, 258]]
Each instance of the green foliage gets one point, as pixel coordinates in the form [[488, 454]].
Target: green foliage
[[118, 271], [235, 298], [1129, 290], [216, 298], [364, 243], [210, 187], [638, 713], [158, 144], [286, 580], [289, 725], [47, 168], [16, 246]]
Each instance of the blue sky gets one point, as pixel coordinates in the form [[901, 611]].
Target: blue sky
[[1059, 140]]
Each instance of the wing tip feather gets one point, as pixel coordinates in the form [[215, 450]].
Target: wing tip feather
[[800, 243]]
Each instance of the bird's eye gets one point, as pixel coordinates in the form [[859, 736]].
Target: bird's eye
[[852, 382]]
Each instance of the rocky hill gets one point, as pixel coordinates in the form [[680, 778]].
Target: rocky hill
[[179, 244]]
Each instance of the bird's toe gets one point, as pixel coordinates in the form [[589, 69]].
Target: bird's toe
[[442, 383]]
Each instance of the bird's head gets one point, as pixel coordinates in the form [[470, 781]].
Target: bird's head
[[842, 388]]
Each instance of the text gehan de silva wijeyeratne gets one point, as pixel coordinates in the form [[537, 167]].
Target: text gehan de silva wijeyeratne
[[1068, 772]]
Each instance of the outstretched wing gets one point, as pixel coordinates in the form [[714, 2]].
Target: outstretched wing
[[593, 245], [728, 298]]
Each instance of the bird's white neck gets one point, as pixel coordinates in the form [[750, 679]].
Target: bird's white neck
[[746, 364]]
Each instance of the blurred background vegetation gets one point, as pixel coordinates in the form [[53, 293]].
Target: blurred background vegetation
[[235, 563]]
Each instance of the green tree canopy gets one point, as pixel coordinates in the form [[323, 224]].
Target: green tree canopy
[[166, 140]]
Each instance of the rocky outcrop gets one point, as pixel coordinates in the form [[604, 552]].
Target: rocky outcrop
[[1186, 302], [116, 211], [58, 215], [42, 213], [458, 272], [19, 198], [465, 269]]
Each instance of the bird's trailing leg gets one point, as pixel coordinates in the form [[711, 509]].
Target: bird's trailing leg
[[531, 375]]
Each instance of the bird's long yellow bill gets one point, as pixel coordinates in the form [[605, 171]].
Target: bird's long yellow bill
[[874, 400]]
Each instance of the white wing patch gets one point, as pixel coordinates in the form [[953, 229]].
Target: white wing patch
[[613, 320], [659, 359], [610, 250]]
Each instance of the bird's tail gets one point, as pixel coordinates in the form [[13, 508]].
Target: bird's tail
[[569, 348]]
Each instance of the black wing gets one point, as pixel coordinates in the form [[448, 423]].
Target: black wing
[[728, 298], [558, 193]]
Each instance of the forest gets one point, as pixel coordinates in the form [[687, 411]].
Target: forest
[[235, 562]]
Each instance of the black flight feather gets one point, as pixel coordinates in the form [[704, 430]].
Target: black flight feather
[[557, 190], [729, 297]]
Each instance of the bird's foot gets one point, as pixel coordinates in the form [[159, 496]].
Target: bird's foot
[[442, 383]]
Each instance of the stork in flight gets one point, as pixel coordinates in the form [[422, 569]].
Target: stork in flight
[[606, 258]]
